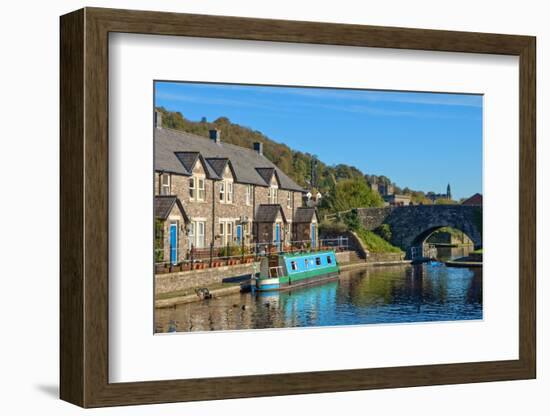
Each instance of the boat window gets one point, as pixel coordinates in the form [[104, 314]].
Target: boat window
[[306, 261], [293, 265], [329, 260], [318, 261]]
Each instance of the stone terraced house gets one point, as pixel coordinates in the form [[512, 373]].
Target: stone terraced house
[[207, 191]]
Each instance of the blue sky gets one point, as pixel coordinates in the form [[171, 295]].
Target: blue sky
[[419, 140]]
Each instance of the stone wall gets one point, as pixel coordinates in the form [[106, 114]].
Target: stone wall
[[343, 257], [373, 217], [385, 257], [171, 282]]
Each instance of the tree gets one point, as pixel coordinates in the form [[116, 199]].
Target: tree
[[351, 220], [353, 193]]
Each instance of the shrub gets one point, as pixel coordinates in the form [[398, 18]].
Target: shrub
[[332, 227], [384, 231], [375, 243], [159, 241], [351, 220], [230, 251]]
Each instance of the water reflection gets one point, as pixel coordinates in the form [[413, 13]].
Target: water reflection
[[429, 292]]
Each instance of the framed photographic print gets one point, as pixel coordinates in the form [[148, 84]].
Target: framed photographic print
[[255, 207]]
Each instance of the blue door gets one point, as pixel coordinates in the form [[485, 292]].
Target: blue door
[[174, 243], [278, 236], [313, 236], [239, 233]]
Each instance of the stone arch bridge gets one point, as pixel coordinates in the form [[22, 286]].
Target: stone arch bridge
[[412, 225]]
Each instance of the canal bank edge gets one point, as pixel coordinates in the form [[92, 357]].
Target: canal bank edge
[[185, 284], [474, 259]]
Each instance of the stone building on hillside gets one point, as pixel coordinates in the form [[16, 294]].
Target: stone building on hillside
[[397, 200]]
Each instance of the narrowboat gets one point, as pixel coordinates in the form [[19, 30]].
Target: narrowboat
[[289, 270]]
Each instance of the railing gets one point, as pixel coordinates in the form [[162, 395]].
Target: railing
[[230, 254]]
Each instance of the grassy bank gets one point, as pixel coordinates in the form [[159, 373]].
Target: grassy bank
[[375, 243]]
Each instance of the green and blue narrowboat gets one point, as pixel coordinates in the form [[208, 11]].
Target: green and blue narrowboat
[[289, 270]]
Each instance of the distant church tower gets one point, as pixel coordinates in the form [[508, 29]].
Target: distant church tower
[[449, 196]]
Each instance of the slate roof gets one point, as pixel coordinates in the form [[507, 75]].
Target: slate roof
[[218, 165], [304, 214], [169, 143], [266, 174], [475, 199], [268, 213], [188, 160], [164, 204]]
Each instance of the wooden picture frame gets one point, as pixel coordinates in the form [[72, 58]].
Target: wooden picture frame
[[84, 207]]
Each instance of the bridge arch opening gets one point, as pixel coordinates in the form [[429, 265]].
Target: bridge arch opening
[[442, 241], [427, 234]]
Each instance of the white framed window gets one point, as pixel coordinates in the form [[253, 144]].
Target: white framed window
[[201, 227], [196, 234], [272, 194], [227, 229], [222, 191], [229, 192], [229, 232], [165, 184], [191, 234], [289, 200], [192, 188], [248, 195], [293, 265], [201, 193]]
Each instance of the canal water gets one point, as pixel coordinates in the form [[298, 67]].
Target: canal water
[[374, 295]]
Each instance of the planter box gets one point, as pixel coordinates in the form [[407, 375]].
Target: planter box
[[174, 269]]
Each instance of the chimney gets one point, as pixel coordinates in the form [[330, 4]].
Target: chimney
[[259, 148], [215, 136], [158, 119]]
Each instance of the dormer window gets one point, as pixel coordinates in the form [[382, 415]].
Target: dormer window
[[229, 192], [165, 184], [222, 191], [272, 195], [248, 195], [196, 188], [201, 191], [226, 192], [192, 188]]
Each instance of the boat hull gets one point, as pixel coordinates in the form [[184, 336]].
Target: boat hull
[[277, 285], [297, 269]]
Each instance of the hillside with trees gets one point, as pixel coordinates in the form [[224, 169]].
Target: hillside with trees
[[342, 186]]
